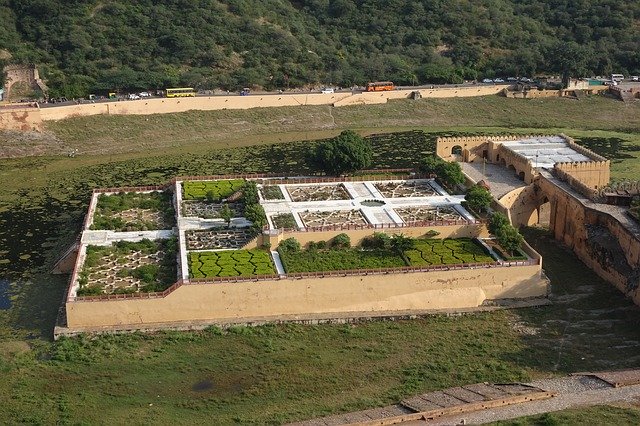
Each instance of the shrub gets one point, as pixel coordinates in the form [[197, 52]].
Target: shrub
[[378, 240], [509, 238], [341, 241], [450, 173], [290, 245]]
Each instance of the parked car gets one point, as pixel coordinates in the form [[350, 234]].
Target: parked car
[[328, 90], [512, 79], [133, 97], [498, 80], [144, 94], [635, 78], [487, 80], [610, 83]]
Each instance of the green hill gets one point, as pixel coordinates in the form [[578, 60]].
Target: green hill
[[84, 46]]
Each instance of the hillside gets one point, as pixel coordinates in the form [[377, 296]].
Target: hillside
[[87, 46]]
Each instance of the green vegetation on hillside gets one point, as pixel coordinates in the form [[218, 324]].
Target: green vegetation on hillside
[[96, 46]]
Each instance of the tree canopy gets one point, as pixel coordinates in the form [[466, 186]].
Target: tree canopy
[[86, 46], [345, 153], [449, 172]]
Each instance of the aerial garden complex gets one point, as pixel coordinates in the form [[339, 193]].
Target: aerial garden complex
[[252, 249]]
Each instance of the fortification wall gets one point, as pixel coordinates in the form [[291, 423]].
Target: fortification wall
[[20, 118], [593, 174], [600, 240], [316, 296], [166, 105]]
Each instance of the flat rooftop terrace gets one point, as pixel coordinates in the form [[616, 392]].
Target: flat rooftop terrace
[[545, 151]]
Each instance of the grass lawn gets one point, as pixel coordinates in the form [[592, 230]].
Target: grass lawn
[[596, 415]]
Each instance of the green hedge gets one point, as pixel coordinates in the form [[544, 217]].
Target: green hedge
[[216, 190], [230, 263]]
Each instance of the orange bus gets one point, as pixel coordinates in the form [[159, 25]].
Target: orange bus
[[380, 86]]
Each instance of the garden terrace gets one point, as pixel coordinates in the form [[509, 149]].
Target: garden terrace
[[210, 210], [216, 190], [128, 267], [430, 214], [405, 189], [334, 217], [134, 211], [231, 263], [423, 252], [317, 193], [229, 238]]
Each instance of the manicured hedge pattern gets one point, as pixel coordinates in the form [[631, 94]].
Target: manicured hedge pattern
[[220, 189], [446, 252], [230, 263]]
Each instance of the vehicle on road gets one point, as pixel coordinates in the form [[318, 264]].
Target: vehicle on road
[[327, 90], [512, 79], [180, 92], [133, 97], [245, 91], [144, 94], [380, 86], [617, 77], [498, 80], [635, 78], [611, 83], [487, 80]]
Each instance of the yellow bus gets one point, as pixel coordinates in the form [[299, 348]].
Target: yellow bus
[[180, 92]]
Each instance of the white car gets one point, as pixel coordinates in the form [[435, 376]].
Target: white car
[[144, 94], [487, 80], [133, 97], [635, 78], [611, 83], [327, 90], [498, 80]]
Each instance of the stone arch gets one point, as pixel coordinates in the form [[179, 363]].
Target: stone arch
[[456, 150], [512, 168], [521, 176]]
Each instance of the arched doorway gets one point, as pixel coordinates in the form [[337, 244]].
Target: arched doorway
[[521, 176], [541, 215]]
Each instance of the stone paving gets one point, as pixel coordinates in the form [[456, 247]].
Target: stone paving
[[501, 180]]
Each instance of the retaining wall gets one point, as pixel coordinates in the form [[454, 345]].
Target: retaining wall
[[317, 296]]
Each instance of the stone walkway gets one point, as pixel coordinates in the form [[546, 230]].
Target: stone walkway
[[500, 179]]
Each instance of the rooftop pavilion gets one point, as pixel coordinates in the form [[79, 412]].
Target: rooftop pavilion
[[545, 151]]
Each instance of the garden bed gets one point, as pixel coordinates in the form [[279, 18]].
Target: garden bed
[[284, 221], [405, 189], [271, 192], [318, 193], [503, 254], [207, 210], [232, 263], [126, 267], [446, 252], [224, 238], [428, 213], [215, 190], [134, 211], [338, 259], [333, 217]]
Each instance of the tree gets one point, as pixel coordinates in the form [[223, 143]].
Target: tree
[[341, 241], [509, 238], [226, 214], [478, 198], [450, 173], [401, 243], [496, 222], [346, 152]]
